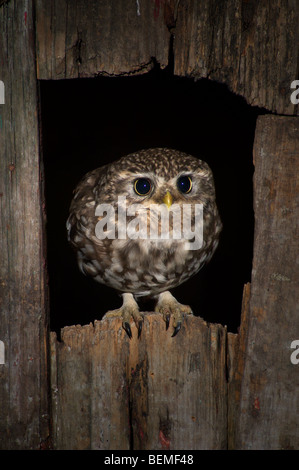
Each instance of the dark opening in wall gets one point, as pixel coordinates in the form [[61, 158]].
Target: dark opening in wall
[[87, 123]]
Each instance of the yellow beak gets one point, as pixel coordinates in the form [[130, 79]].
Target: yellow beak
[[168, 199]]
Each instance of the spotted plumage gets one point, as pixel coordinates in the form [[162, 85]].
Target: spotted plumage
[[133, 262]]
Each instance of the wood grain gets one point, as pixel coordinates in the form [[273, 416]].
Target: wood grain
[[251, 46], [84, 39], [24, 417]]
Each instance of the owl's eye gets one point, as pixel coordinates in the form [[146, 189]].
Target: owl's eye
[[184, 184], [142, 186]]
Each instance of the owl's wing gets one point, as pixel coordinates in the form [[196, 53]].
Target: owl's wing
[[81, 220]]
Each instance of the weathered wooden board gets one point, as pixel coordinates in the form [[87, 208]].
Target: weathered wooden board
[[269, 388], [156, 392], [235, 363], [83, 39], [90, 398], [250, 45], [179, 394], [24, 416]]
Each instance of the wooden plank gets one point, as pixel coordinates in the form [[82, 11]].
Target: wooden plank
[[269, 394], [251, 46], [157, 392], [65, 374], [178, 388], [24, 417], [89, 393], [235, 364], [84, 39]]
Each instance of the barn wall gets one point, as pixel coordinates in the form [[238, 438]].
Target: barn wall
[[245, 383]]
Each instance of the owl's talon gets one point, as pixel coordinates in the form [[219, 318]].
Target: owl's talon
[[167, 320], [128, 310], [167, 305], [127, 328], [177, 329], [140, 324]]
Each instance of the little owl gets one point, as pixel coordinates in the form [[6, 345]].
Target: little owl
[[144, 225]]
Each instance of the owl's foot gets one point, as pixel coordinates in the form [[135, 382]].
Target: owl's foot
[[129, 309], [167, 305]]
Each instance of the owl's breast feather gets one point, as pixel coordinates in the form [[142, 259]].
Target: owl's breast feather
[[147, 267]]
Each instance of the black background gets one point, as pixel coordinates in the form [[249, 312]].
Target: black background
[[89, 122]]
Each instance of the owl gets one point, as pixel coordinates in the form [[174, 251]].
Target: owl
[[143, 225]]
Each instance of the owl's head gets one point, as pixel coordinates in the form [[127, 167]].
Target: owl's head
[[157, 176]]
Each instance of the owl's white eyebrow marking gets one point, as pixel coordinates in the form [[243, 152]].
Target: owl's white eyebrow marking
[[144, 174], [185, 173]]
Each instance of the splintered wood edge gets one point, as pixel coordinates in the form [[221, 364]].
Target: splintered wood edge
[[68, 333]]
